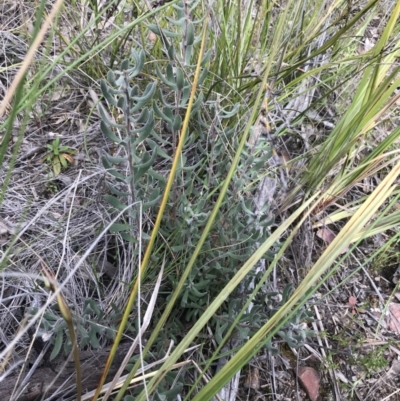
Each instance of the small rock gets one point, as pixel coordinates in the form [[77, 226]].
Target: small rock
[[309, 379]]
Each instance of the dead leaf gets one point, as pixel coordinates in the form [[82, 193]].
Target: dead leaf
[[68, 157], [309, 379], [352, 301], [326, 234], [253, 379], [394, 317], [352, 304]]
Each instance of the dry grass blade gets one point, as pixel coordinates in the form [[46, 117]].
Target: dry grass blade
[[63, 284], [143, 328], [349, 232], [30, 55], [136, 380], [66, 313]]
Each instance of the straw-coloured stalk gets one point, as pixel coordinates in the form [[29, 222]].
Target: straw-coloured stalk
[[51, 283]]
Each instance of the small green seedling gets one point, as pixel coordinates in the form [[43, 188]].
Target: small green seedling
[[59, 156]]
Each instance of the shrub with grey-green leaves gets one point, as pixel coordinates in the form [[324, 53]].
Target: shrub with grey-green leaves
[[147, 101]]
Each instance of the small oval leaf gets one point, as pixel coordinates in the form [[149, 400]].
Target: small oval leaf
[[57, 345], [190, 34], [180, 79]]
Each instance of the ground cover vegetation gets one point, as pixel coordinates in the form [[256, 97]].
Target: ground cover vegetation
[[205, 193]]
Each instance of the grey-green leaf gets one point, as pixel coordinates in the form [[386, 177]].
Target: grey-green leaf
[[203, 76], [144, 116], [158, 149], [142, 168], [57, 345], [153, 200], [180, 79], [124, 65], [229, 113], [145, 130], [180, 22], [106, 93], [176, 125], [190, 34], [148, 93], [188, 55], [139, 59], [121, 103], [113, 201], [206, 58], [198, 102], [118, 227], [108, 133], [115, 160], [105, 118], [168, 34], [171, 84], [94, 342], [157, 176], [185, 96], [161, 114], [127, 237], [116, 191], [170, 73], [111, 78], [171, 52]]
